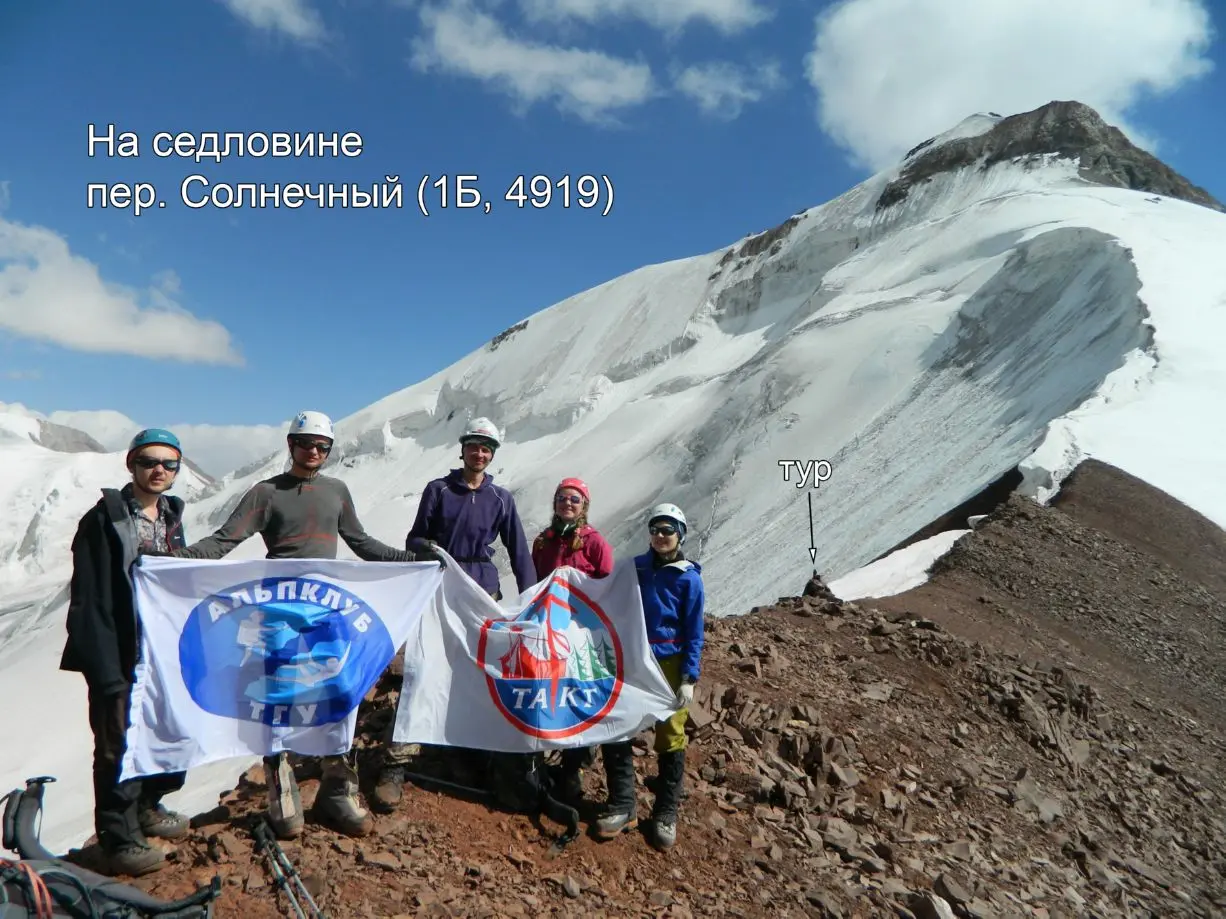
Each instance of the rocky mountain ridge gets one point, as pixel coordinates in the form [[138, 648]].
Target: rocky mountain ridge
[[877, 758], [1066, 129]]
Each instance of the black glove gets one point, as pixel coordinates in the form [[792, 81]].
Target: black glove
[[430, 554]]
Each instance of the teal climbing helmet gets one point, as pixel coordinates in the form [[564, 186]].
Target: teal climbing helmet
[[151, 436]]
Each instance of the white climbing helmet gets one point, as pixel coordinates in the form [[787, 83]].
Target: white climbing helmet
[[482, 429], [316, 423], [669, 512]]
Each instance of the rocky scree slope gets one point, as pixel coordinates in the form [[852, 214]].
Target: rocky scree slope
[[848, 760], [1118, 579]]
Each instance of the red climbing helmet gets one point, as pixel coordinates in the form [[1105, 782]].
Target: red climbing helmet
[[578, 485]]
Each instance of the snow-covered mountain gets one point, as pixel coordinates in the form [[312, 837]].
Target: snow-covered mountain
[[212, 448], [1016, 294], [52, 474]]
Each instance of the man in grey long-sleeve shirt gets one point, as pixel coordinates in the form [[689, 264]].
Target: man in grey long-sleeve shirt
[[298, 516], [302, 514]]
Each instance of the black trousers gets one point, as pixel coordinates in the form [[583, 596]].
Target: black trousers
[[117, 805], [576, 758]]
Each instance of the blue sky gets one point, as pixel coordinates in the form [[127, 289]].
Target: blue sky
[[711, 118]]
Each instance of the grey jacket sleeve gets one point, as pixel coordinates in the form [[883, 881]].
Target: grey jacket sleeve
[[247, 519], [365, 546]]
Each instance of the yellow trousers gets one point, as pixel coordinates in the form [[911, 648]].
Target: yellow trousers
[[670, 733]]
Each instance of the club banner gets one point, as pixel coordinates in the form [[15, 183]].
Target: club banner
[[242, 658], [566, 664]]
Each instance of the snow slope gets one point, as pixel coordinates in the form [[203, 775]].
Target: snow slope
[[44, 493], [897, 572], [1013, 315]]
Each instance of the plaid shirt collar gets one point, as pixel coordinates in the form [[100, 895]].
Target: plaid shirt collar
[[152, 533]]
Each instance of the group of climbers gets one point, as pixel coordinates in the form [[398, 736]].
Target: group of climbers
[[302, 513]]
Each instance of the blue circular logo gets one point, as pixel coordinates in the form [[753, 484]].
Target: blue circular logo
[[556, 668], [285, 652]]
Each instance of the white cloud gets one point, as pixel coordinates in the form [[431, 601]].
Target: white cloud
[[222, 448], [293, 17], [49, 294], [461, 40], [669, 15], [891, 73], [723, 89], [110, 428], [215, 448]]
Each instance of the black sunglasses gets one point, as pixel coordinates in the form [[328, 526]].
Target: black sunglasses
[[321, 445], [662, 529], [152, 462]]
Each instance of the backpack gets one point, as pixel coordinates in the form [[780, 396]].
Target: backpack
[[523, 783], [41, 886], [519, 781], [56, 889]]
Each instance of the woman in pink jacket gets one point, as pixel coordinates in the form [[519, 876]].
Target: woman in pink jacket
[[571, 540]]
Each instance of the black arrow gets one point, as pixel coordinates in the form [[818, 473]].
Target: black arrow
[[812, 541]]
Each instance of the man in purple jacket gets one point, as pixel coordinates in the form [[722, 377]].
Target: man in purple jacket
[[462, 512]]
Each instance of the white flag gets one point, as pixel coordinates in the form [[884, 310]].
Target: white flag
[[566, 664], [242, 658]]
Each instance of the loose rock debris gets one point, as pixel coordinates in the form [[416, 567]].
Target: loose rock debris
[[845, 761]]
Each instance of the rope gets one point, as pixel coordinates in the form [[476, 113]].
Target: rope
[[41, 896]]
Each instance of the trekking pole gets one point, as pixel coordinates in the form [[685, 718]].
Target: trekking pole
[[431, 780], [288, 868], [278, 876], [278, 864]]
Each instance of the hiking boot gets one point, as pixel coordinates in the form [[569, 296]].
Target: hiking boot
[[621, 812], [389, 789], [284, 802], [164, 824], [337, 804], [134, 859], [665, 831], [609, 825], [671, 772]]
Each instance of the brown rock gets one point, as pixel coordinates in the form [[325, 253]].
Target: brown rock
[[386, 860], [950, 887]]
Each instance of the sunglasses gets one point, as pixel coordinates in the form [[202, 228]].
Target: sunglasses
[[321, 445], [662, 529], [151, 462], [567, 499]]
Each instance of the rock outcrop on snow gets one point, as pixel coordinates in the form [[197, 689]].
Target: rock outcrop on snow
[[64, 439], [1070, 130], [929, 754]]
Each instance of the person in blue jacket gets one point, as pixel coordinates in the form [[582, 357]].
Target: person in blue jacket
[[673, 606], [463, 512]]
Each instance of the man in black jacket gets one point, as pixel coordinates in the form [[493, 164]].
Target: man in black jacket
[[104, 644]]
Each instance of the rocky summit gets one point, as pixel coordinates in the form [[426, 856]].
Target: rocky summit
[[1036, 731], [1065, 129]]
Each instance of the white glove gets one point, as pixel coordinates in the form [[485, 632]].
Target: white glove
[[685, 695]]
